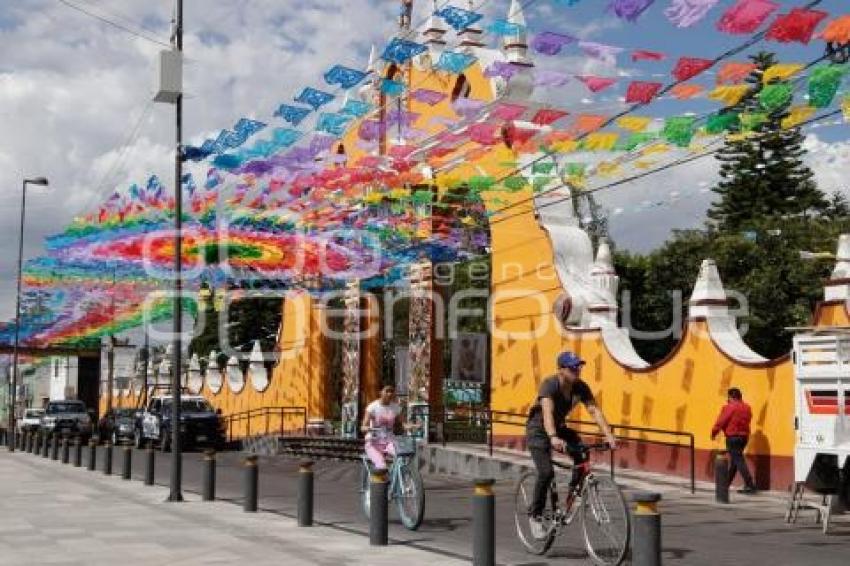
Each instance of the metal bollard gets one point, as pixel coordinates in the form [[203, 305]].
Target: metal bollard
[[66, 451], [26, 442], [208, 488], [252, 475], [721, 478], [378, 512], [18, 439], [150, 465], [92, 463], [78, 452], [646, 549], [127, 463], [33, 443], [484, 523], [107, 458], [45, 446], [54, 449], [305, 494]]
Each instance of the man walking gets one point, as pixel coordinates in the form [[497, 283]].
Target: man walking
[[734, 421]]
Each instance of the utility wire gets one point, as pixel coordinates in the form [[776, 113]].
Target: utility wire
[[114, 23]]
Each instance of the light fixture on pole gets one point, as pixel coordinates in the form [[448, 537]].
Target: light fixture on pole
[[14, 393]]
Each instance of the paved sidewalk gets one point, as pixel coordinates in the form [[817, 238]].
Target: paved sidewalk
[[60, 515]]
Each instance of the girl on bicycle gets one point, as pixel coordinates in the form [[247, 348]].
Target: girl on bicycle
[[381, 419]]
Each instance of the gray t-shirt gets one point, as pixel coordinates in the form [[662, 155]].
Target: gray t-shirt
[[564, 402]]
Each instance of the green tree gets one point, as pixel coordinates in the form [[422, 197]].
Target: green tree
[[763, 175]]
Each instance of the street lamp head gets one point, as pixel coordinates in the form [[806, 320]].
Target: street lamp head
[[37, 181]]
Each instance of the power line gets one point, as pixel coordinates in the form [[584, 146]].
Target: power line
[[114, 24]]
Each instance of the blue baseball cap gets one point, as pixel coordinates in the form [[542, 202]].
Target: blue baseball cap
[[569, 360]]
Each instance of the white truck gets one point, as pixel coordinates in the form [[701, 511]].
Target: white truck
[[822, 421]]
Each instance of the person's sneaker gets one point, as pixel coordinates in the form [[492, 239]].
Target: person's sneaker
[[749, 490], [535, 525]]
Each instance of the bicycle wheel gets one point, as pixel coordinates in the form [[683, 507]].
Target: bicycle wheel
[[523, 497], [364, 490], [410, 496], [605, 520]]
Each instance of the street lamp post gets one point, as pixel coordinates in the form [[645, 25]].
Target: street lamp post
[[14, 393]]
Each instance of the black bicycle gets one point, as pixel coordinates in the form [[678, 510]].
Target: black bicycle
[[604, 514]]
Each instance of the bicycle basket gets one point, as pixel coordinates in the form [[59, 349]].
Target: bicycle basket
[[405, 446]]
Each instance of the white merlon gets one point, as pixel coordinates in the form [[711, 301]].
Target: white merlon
[[433, 34], [195, 380], [515, 46], [838, 286], [709, 296], [709, 302], [214, 380], [471, 37], [257, 372]]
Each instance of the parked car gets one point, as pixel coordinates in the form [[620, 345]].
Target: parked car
[[67, 418], [119, 425], [200, 424], [31, 420]]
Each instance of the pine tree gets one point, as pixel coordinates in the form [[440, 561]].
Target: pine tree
[[763, 176]]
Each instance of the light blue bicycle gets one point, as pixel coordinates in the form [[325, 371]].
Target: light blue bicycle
[[405, 483]]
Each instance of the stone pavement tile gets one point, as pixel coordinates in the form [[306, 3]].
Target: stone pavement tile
[[68, 517]]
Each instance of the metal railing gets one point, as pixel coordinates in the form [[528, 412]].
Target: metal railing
[[479, 424], [265, 414]]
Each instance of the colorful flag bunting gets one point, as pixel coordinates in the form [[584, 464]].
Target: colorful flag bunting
[[734, 72], [634, 123], [729, 95], [689, 67], [548, 116], [642, 92], [797, 26], [596, 84], [679, 130], [292, 114], [837, 31], [400, 51], [550, 43], [458, 18], [774, 96], [746, 16], [644, 55], [824, 83], [797, 115], [344, 76], [686, 91], [606, 53], [429, 97], [391, 87], [780, 71], [601, 141], [685, 13], [629, 10], [314, 97], [454, 62], [505, 28]]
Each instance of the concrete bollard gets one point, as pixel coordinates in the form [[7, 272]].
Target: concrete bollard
[[92, 463], [107, 458], [127, 463], [484, 523], [305, 494], [66, 451], [208, 487], [646, 549], [54, 449], [251, 478], [721, 478], [150, 465], [78, 452], [378, 509]]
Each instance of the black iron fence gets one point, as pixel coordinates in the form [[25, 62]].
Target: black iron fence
[[267, 420], [475, 425]]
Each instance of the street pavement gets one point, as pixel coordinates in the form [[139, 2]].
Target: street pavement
[[696, 531]]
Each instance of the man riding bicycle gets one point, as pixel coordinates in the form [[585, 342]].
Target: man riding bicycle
[[545, 430]]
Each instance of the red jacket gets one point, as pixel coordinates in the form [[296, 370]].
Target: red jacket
[[734, 420]]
